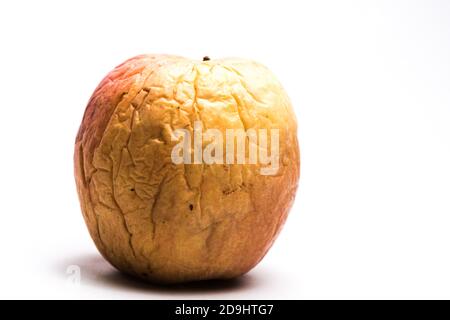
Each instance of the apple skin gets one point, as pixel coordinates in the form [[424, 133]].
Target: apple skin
[[173, 223]]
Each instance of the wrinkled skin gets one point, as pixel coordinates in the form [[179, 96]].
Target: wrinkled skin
[[172, 223]]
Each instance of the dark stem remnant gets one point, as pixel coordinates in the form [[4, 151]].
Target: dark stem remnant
[[191, 207], [206, 58]]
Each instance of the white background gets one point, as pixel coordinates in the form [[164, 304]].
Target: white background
[[370, 83]]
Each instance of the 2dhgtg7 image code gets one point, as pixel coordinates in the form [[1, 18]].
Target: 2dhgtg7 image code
[[225, 309]]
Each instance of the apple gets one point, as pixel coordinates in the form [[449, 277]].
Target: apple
[[186, 169]]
